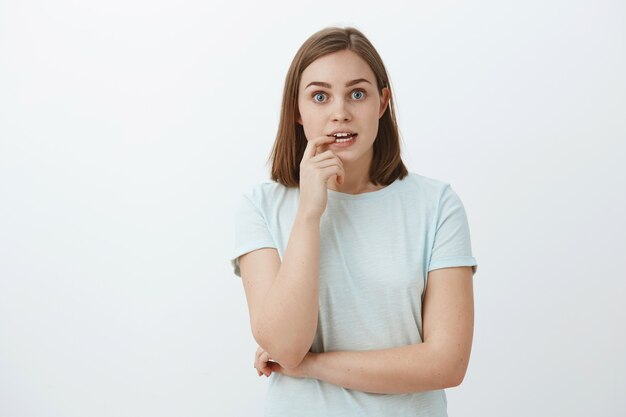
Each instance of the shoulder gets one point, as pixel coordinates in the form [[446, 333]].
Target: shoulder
[[424, 181], [269, 193], [267, 189], [427, 188]]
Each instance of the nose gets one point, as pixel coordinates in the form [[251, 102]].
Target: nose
[[340, 111]]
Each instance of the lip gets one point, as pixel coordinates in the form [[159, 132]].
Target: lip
[[341, 131], [344, 144]]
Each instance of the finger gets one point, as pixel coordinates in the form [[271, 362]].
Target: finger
[[263, 370], [331, 170], [311, 147], [261, 363], [328, 158], [265, 360], [275, 367], [328, 155], [329, 163], [259, 352], [257, 362], [323, 146], [323, 156]]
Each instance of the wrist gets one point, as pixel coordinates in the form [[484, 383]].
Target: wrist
[[309, 365], [308, 216]]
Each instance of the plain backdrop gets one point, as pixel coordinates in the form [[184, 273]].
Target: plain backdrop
[[130, 128]]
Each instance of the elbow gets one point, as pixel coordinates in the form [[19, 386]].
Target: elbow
[[455, 380], [291, 361], [284, 353], [287, 358], [453, 364], [450, 370], [456, 376]]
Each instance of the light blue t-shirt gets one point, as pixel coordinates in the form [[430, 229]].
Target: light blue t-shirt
[[376, 249]]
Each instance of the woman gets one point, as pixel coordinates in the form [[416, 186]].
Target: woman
[[335, 253]]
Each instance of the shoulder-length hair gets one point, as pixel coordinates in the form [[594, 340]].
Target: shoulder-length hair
[[291, 141]]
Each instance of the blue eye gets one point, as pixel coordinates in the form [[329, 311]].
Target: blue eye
[[317, 95], [361, 92], [320, 97]]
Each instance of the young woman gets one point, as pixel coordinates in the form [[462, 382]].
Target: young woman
[[357, 273]]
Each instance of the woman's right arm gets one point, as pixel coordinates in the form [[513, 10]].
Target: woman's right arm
[[283, 299]]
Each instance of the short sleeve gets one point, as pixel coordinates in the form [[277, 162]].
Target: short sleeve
[[452, 244], [251, 231]]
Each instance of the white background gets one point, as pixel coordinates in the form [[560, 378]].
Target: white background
[[129, 129]]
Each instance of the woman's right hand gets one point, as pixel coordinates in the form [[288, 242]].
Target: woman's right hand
[[317, 168]]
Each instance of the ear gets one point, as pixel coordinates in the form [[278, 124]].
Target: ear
[[298, 118], [385, 96]]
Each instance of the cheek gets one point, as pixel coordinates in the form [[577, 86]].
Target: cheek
[[373, 109], [310, 118], [373, 116], [307, 111], [308, 128]]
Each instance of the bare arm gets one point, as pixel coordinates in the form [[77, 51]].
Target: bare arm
[[440, 362], [283, 298], [398, 370], [284, 308]]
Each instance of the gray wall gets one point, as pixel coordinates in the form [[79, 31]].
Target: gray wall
[[129, 129]]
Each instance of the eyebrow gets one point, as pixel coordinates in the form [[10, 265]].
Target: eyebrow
[[326, 85]]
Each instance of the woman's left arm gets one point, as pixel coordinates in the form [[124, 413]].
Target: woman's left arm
[[439, 362]]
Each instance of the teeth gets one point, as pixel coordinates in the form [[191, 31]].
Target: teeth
[[340, 135], [342, 140]]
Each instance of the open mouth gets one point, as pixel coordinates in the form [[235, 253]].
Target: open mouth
[[344, 137]]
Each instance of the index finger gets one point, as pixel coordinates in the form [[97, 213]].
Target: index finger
[[312, 145]]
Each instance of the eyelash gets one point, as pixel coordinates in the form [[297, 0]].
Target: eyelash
[[321, 92]]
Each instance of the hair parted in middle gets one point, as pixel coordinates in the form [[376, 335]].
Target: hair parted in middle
[[291, 141]]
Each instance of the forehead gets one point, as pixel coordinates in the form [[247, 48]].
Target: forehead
[[337, 68]]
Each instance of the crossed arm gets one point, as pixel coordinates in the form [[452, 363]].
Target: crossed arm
[[439, 362]]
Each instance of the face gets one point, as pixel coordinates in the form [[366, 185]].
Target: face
[[338, 93]]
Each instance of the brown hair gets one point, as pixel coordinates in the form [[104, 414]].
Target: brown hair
[[287, 153]]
